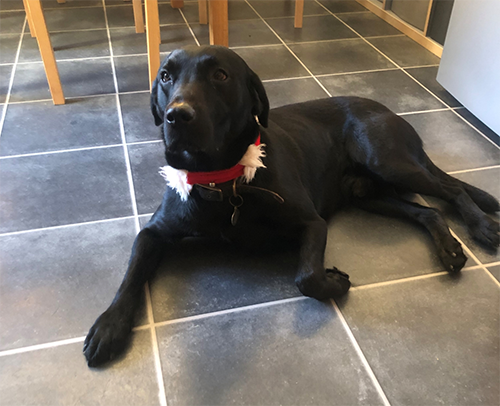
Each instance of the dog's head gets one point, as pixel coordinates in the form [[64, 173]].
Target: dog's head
[[207, 98]]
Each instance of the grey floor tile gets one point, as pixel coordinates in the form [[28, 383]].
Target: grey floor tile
[[432, 341], [64, 278], [404, 51], [373, 248], [41, 126], [74, 19], [132, 73], [487, 180], [146, 160], [137, 118], [393, 89], [427, 76], [49, 4], [340, 56], [68, 45], [237, 10], [272, 62], [126, 41], [368, 24], [5, 72], [78, 78], [123, 15], [343, 6], [451, 143], [12, 22], [175, 36], [204, 276], [8, 47], [294, 354], [60, 376], [293, 91], [284, 8], [495, 271], [10, 5], [315, 28], [241, 33], [472, 119], [64, 188]]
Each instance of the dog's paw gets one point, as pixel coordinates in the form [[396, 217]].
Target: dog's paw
[[486, 232], [107, 338], [452, 255]]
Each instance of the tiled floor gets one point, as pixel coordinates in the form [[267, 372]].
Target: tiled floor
[[222, 327]]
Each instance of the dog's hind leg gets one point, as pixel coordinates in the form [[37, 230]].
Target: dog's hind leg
[[449, 250], [410, 175], [313, 279], [484, 200]]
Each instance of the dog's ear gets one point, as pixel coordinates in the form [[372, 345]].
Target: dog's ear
[[155, 107], [260, 106]]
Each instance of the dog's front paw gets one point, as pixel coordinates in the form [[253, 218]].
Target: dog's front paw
[[452, 255], [107, 338]]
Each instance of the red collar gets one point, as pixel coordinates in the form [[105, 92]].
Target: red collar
[[225, 175]]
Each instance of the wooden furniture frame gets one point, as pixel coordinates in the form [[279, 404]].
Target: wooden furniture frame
[[415, 34]]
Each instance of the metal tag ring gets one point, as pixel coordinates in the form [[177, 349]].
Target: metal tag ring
[[238, 198]]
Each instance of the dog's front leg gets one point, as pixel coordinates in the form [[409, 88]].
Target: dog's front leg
[[110, 333], [313, 279]]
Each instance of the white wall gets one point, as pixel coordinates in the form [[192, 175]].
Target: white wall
[[470, 65]]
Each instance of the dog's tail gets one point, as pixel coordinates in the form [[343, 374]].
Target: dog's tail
[[484, 200]]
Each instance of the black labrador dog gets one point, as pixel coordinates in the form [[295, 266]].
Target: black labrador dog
[[240, 172]]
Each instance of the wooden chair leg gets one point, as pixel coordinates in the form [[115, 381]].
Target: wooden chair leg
[[153, 36], [218, 24], [299, 12], [138, 18], [30, 20], [203, 11], [47, 52], [177, 3]]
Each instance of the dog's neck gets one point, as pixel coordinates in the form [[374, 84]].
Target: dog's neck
[[182, 181]]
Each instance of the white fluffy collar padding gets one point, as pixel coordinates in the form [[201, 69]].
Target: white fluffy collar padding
[[177, 179]]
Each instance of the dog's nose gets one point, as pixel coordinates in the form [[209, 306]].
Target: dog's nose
[[179, 113]]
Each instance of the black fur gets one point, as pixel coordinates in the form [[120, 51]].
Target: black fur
[[321, 156]]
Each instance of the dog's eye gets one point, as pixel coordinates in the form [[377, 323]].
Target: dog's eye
[[220, 75], [165, 77]]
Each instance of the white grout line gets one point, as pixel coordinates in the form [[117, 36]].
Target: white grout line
[[424, 111], [411, 278], [190, 30], [289, 50], [42, 346], [474, 170], [85, 223], [156, 351], [361, 355], [11, 81], [229, 311], [59, 151]]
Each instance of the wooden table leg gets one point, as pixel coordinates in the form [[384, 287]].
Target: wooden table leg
[[138, 18], [218, 24], [299, 12], [153, 38], [30, 20], [203, 11], [177, 3], [46, 51]]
